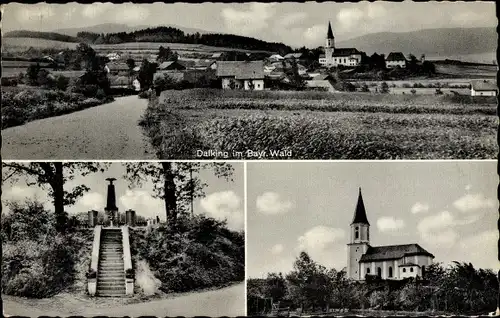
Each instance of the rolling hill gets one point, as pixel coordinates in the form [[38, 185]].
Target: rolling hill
[[445, 42], [116, 28]]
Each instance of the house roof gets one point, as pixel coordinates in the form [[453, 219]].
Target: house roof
[[330, 32], [276, 56], [319, 83], [483, 85], [294, 55], [117, 66], [360, 212], [217, 55], [241, 69], [167, 64], [378, 253], [395, 56], [321, 77]]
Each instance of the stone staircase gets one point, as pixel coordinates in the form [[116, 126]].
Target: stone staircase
[[110, 274]]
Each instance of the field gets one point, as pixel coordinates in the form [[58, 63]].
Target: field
[[220, 124], [22, 44]]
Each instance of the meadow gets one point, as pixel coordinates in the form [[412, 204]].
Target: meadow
[[320, 125]]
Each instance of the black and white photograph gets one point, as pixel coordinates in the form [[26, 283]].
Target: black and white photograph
[[365, 80], [123, 239], [372, 238]]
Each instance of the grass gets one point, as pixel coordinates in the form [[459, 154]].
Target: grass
[[317, 125]]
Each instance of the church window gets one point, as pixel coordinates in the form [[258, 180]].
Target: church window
[[390, 271], [379, 272], [404, 270], [357, 233], [411, 269], [368, 270], [368, 235], [423, 271]]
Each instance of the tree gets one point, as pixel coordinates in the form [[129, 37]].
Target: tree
[[166, 54], [53, 175], [295, 79], [131, 65], [178, 184], [32, 74], [275, 286], [146, 74]]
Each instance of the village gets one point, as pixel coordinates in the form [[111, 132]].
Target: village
[[327, 68]]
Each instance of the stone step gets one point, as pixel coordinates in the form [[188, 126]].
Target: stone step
[[106, 284], [111, 268], [111, 277], [111, 257], [121, 294], [111, 290]]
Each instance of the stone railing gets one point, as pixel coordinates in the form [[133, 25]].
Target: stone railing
[[94, 263], [127, 262]]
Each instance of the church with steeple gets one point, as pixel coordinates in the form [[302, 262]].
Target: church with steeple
[[387, 262], [338, 56]]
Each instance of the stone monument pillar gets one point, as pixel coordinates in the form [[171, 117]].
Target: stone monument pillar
[[130, 217], [92, 218], [111, 208]]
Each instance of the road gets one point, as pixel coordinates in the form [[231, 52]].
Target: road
[[229, 301], [108, 131]]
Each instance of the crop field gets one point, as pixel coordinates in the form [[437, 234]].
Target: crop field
[[318, 125]]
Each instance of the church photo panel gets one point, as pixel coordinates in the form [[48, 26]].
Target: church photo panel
[[369, 231]]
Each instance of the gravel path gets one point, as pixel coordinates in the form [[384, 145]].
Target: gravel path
[[103, 132], [229, 301]]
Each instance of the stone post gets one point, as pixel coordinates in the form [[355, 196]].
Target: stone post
[[111, 208], [130, 217], [92, 218]]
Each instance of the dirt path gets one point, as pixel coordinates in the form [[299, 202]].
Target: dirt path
[[108, 131], [229, 301]]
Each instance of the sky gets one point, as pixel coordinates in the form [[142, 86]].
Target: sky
[[223, 200], [295, 24], [449, 208]]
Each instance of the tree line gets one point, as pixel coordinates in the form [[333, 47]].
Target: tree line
[[457, 289]]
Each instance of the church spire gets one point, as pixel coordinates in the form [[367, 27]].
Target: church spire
[[330, 32], [360, 213]]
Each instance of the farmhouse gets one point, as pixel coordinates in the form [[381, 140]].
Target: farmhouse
[[483, 88], [276, 57], [321, 82], [338, 56], [241, 74], [290, 56], [117, 68], [113, 56], [387, 262], [395, 59], [170, 66]]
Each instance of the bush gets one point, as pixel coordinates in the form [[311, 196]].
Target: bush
[[62, 82], [384, 88], [192, 254], [9, 81]]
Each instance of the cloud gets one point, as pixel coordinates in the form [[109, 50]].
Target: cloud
[[225, 205], [20, 194], [291, 19], [349, 18], [92, 11], [248, 21], [389, 223], [438, 229], [272, 203], [319, 237], [324, 245], [470, 202], [315, 33], [130, 13], [419, 208], [277, 249], [143, 204], [92, 201], [36, 12]]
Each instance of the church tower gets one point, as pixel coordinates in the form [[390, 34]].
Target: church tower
[[330, 46], [359, 239]]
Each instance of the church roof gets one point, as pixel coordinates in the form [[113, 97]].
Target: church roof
[[360, 212], [379, 253], [483, 85], [330, 32], [345, 51]]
